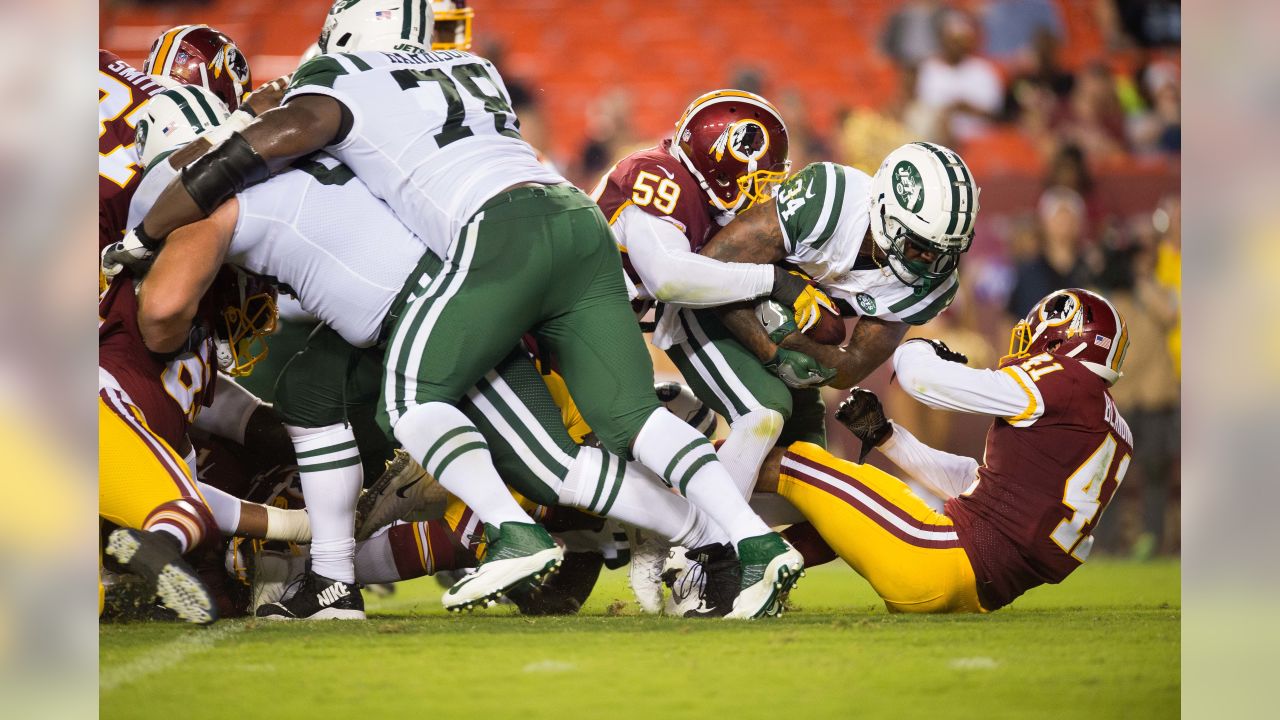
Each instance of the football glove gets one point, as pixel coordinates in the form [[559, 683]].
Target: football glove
[[943, 351], [863, 415], [798, 370], [805, 300], [134, 253]]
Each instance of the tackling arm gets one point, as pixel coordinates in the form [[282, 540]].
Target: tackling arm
[[306, 124], [170, 295], [1008, 393]]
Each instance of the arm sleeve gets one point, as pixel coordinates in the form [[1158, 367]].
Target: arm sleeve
[[941, 473], [1007, 393], [229, 414], [660, 253]]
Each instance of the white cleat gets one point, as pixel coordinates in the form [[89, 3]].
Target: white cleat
[[648, 555]]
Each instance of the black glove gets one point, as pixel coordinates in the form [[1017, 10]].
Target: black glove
[[943, 351], [863, 415]]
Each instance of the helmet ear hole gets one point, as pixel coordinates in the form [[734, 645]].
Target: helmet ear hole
[[342, 41], [1053, 345]]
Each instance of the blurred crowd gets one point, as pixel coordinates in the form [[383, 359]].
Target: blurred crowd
[[1067, 110]]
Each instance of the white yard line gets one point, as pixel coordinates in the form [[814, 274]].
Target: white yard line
[[165, 656]]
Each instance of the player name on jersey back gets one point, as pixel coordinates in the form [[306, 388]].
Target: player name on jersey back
[[432, 134]]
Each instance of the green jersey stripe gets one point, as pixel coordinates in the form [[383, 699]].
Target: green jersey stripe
[[158, 159], [835, 202], [914, 301], [938, 305], [911, 299], [322, 70], [357, 61], [715, 378], [825, 191]]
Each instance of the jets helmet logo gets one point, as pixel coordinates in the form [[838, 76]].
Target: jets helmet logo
[[908, 187], [746, 140]]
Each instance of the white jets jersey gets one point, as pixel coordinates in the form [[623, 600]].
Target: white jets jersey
[[320, 233], [433, 134], [824, 211]]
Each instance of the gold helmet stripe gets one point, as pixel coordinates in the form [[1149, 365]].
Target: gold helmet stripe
[[163, 62]]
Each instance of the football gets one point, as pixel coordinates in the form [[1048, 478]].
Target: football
[[829, 330]]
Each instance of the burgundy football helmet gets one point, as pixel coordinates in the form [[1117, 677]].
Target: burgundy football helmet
[[201, 55], [735, 144], [1077, 324]]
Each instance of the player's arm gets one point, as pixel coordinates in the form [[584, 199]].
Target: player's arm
[[183, 270], [308, 123], [925, 375], [872, 342], [660, 253]]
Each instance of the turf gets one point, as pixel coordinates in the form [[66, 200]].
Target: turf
[[1104, 644]]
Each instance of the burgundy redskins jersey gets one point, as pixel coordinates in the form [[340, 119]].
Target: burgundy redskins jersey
[[654, 181], [122, 94], [1042, 487], [168, 391]]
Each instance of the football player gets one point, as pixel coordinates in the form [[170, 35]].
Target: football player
[[523, 251], [885, 248], [310, 229], [1055, 454]]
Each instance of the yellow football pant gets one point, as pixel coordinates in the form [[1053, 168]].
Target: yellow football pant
[[910, 554], [137, 470]]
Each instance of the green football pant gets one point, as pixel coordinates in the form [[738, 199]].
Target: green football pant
[[538, 259]]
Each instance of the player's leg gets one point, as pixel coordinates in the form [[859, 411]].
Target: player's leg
[[608, 371], [407, 550], [457, 326], [147, 489], [726, 376], [313, 394], [910, 554]]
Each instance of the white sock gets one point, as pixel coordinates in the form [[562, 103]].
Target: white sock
[[751, 437], [627, 492], [450, 447], [688, 462], [375, 559], [330, 473], [224, 506]]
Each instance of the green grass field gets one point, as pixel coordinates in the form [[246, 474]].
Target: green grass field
[[1104, 644]]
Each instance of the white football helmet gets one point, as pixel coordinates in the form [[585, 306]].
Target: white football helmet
[[923, 196], [386, 25], [174, 118]]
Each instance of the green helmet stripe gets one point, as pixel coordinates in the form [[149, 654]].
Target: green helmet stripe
[[954, 182], [422, 22], [972, 204], [185, 107], [406, 20], [204, 105]]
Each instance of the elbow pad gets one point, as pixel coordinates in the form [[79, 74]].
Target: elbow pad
[[222, 172]]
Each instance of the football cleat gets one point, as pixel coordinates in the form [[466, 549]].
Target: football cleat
[[155, 558], [721, 582], [648, 554], [517, 553], [402, 489], [317, 598], [685, 580], [770, 567]]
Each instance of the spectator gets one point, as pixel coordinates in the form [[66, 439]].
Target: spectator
[[960, 91], [608, 135], [1012, 28], [1038, 77], [911, 34], [1156, 125], [1093, 119], [1058, 263]]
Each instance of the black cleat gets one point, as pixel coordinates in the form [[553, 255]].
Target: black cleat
[[155, 558], [722, 574], [318, 598]]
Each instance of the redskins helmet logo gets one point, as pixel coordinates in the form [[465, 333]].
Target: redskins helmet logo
[[746, 140]]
